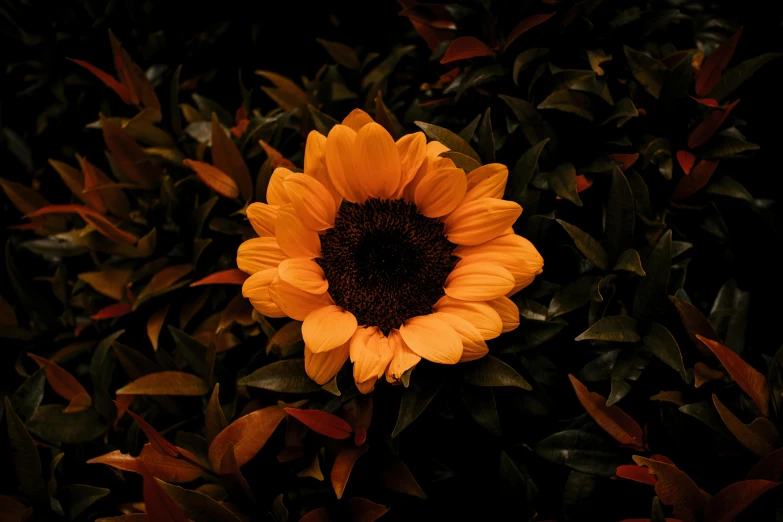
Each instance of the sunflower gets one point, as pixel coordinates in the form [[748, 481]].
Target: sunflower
[[387, 252]]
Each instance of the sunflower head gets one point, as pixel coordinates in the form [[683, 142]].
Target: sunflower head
[[387, 252]]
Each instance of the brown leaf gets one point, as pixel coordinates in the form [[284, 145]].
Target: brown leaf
[[287, 94], [636, 473], [320, 514], [109, 282], [11, 510], [162, 280], [748, 378], [157, 441], [238, 310], [227, 159], [214, 178], [396, 476], [214, 418], [713, 66], [155, 325], [734, 498], [363, 510], [322, 422], [743, 432], [160, 507], [63, 383], [696, 180], [130, 158], [164, 467], [113, 311], [358, 413], [612, 419], [91, 216], [248, 434], [526, 25], [702, 374], [768, 468], [290, 333], [109, 80], [166, 383], [103, 194], [675, 488], [695, 323], [277, 159], [73, 178], [466, 47], [232, 276], [707, 128], [343, 464], [675, 397], [232, 476], [27, 200], [133, 77]]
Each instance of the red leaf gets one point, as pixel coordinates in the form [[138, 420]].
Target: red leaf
[[363, 510], [107, 79], [214, 178], [63, 383], [124, 401], [748, 378], [705, 130], [112, 311], [159, 506], [241, 123], [320, 514], [131, 159], [768, 468], [157, 441], [696, 180], [275, 156], [713, 66], [525, 25], [343, 464], [734, 498], [165, 468], [627, 160], [582, 183], [675, 488], [709, 102], [636, 473], [322, 422], [233, 276], [466, 47], [612, 419], [686, 160]]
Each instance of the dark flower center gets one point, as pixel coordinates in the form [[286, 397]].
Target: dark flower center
[[385, 262]]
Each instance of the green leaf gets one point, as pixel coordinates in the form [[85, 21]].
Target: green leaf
[[628, 366], [622, 111], [524, 169], [486, 140], [732, 78], [620, 215], [706, 413], [36, 306], [176, 117], [491, 371], [287, 376], [387, 118], [582, 451], [729, 187], [577, 293], [25, 459], [562, 181], [322, 122], [650, 299], [197, 506], [214, 418], [596, 86], [416, 398], [78, 497], [199, 357], [481, 405], [449, 139], [470, 129], [101, 371], [341, 53], [479, 76], [647, 70], [27, 397], [463, 162], [533, 126], [569, 101], [630, 261], [663, 345], [618, 328], [775, 380], [588, 246], [725, 145], [52, 424], [524, 59], [385, 68]]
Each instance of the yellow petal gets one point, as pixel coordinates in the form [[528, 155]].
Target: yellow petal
[[477, 313], [370, 354], [481, 220], [311, 201], [440, 192], [518, 255], [357, 119], [294, 302], [366, 386], [315, 164], [275, 192], [322, 367], [259, 254], [262, 218], [303, 273], [339, 162], [473, 345], [487, 181], [403, 357], [432, 338], [412, 151], [376, 161], [256, 289], [327, 328], [294, 238], [479, 282], [508, 312], [431, 162]]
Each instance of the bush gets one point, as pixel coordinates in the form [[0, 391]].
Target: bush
[[644, 380]]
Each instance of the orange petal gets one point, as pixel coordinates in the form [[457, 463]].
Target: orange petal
[[440, 192], [294, 237], [515, 253], [473, 345], [479, 282], [357, 119], [315, 164], [481, 220], [432, 338], [327, 328], [508, 312], [321, 367], [275, 192], [311, 201], [262, 218], [303, 273], [479, 314], [256, 289], [259, 254], [412, 151], [403, 357], [370, 354], [487, 181], [376, 161], [339, 162], [294, 302], [366, 386]]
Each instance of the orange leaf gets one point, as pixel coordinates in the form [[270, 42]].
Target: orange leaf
[[713, 66], [702, 374], [675, 488], [526, 25], [73, 178], [635, 473], [227, 159], [231, 475], [696, 180], [466, 47], [103, 194], [134, 78], [241, 123], [131, 159], [163, 467], [91, 216], [747, 434], [627, 160], [233, 276], [322, 422], [768, 468], [582, 183], [163, 280], [734, 498], [109, 80], [705, 130], [707, 102], [78, 403], [63, 383], [112, 311], [91, 180], [248, 434], [159, 506], [695, 323], [275, 156], [124, 401], [749, 379], [166, 383], [109, 282], [320, 514], [686, 160], [343, 464], [214, 178], [363, 510], [155, 324], [158, 443], [612, 419], [358, 413]]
